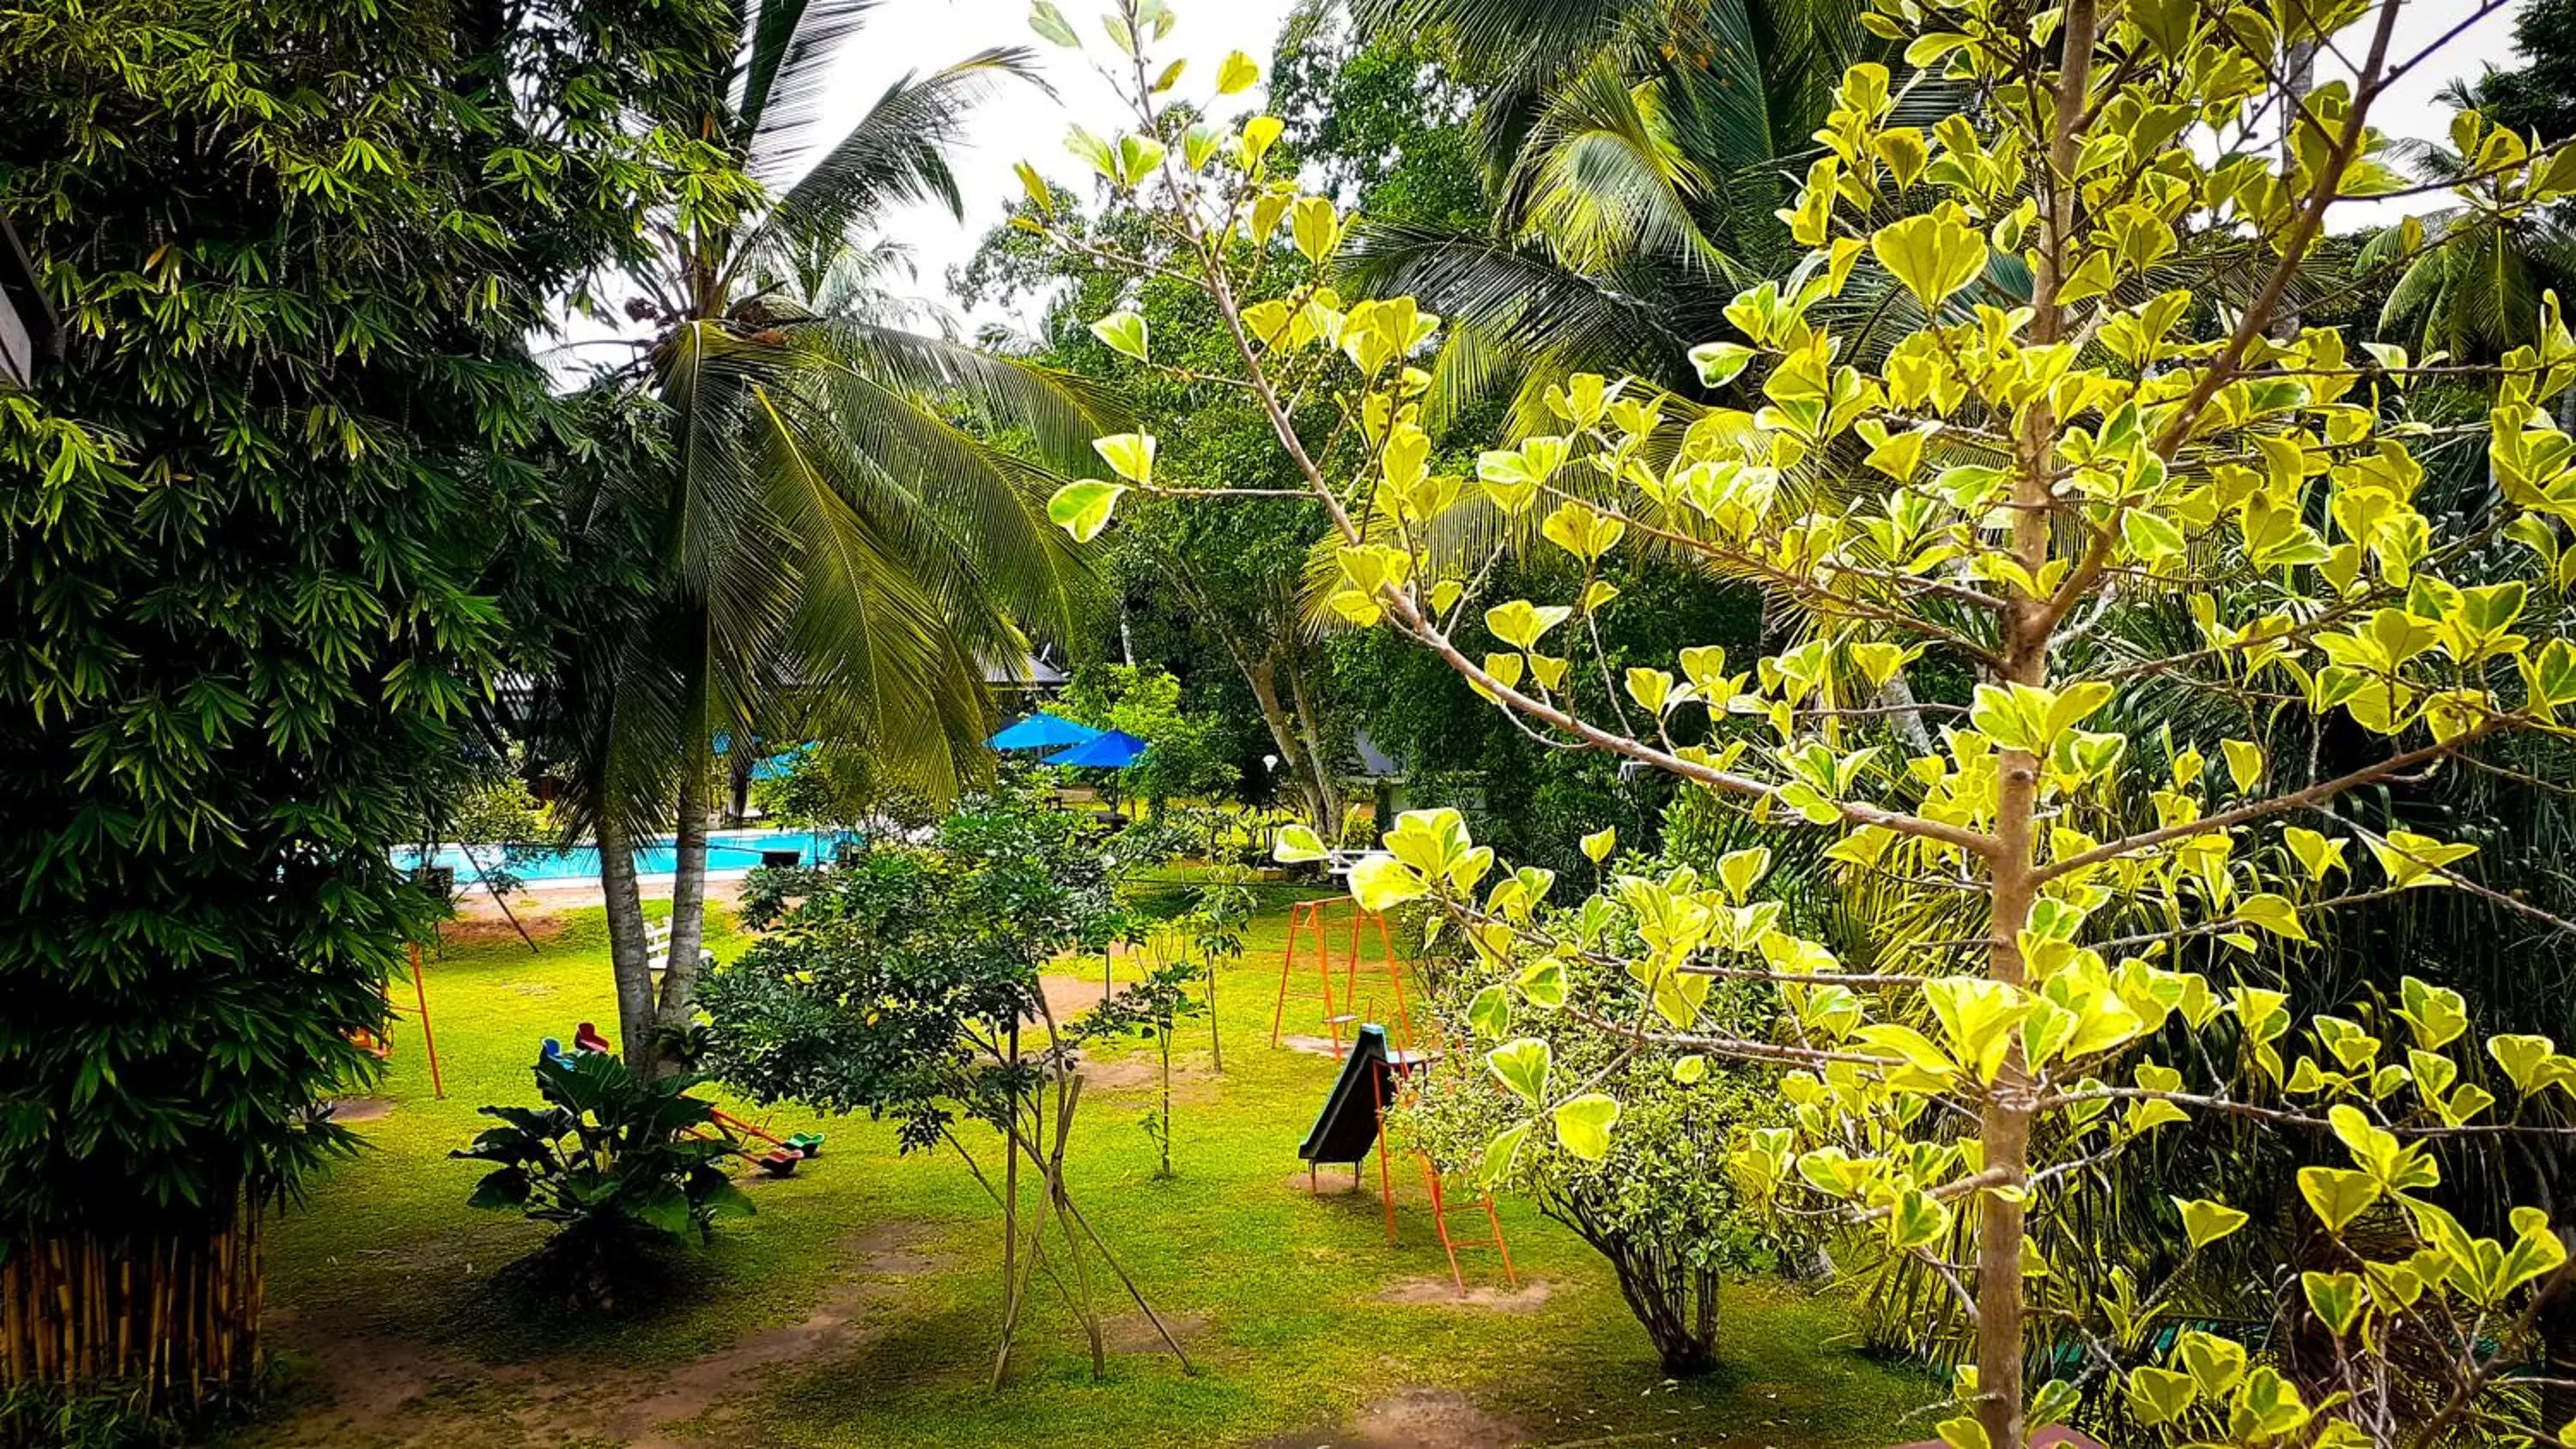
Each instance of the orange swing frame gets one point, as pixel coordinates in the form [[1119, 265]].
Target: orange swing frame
[[1314, 918]]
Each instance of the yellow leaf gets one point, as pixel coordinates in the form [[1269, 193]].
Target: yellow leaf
[[1522, 624], [1082, 508], [1933, 255], [1380, 882], [1130, 454]]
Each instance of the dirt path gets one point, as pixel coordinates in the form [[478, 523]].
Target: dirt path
[[377, 1388], [1413, 1419]]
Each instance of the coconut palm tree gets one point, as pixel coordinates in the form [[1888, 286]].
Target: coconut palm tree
[[1636, 151], [830, 539], [2472, 279]]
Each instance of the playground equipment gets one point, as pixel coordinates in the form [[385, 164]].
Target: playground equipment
[[784, 1152], [1452, 1243], [381, 1047], [1353, 1124], [1313, 921]]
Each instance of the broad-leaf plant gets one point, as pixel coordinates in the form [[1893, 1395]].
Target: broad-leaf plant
[[614, 1160]]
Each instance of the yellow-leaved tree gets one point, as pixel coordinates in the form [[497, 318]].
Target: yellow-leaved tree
[[2063, 437]]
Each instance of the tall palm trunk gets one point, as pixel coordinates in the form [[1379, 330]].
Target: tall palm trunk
[[628, 957], [677, 1005]]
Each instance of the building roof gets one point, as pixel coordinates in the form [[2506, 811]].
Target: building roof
[[1032, 672], [25, 298], [1375, 763]]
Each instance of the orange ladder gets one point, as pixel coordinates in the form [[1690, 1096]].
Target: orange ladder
[[1454, 1243]]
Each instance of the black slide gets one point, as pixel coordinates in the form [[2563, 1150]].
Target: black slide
[[1346, 1131]]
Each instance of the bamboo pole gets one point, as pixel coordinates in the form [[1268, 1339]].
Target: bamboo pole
[[428, 1040], [174, 1314]]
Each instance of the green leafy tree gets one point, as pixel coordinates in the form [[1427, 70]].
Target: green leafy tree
[[2538, 96], [1523, 797], [1637, 153], [831, 543], [1182, 758], [903, 982], [1216, 595], [837, 785], [1215, 923], [1993, 490], [1152, 1009], [2469, 279], [297, 247]]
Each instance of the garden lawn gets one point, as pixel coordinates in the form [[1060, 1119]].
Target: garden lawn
[[859, 1307]]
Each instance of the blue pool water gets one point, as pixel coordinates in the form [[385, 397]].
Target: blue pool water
[[729, 852]]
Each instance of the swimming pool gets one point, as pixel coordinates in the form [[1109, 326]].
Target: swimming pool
[[729, 852]]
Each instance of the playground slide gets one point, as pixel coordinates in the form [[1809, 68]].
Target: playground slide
[[1346, 1130]]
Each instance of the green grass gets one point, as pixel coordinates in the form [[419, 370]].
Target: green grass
[[385, 1272]]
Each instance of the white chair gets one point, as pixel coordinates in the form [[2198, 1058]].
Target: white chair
[[657, 950]]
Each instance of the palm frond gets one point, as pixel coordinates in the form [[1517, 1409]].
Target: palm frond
[[989, 506], [1060, 412], [717, 531], [872, 649], [1498, 37], [895, 154], [780, 80], [1601, 180], [1518, 299]]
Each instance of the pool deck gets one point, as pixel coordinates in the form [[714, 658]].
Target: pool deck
[[536, 900]]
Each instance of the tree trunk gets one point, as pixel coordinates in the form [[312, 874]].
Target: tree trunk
[[1905, 716], [2004, 1117], [672, 1013], [1675, 1302], [2299, 70], [738, 766], [1216, 1031], [173, 1314], [1264, 678], [1319, 761], [2558, 1362], [1013, 1289], [628, 957], [1167, 1099]]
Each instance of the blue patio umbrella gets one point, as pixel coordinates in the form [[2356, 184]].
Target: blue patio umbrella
[[776, 767], [1114, 750], [1043, 731]]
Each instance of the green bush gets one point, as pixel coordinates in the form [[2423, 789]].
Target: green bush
[[1657, 1203]]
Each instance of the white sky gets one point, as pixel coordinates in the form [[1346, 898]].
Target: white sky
[[1023, 123]]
